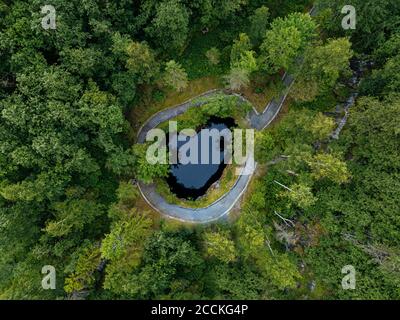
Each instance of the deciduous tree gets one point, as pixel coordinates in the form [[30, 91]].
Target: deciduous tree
[[219, 246], [175, 76]]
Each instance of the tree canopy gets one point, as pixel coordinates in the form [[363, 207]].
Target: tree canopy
[[72, 100]]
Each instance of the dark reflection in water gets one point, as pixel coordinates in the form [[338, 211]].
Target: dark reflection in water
[[190, 181]]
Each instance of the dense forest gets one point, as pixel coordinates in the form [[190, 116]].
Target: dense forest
[[70, 106]]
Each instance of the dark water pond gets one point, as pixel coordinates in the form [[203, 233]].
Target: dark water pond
[[190, 181]]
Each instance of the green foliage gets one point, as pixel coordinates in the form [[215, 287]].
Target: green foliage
[[264, 145], [240, 281], [127, 194], [195, 61], [83, 61], [175, 76], [332, 254], [123, 246], [328, 166], [253, 241], [383, 81], [322, 127], [237, 79], [301, 196], [243, 63], [219, 246], [279, 48], [285, 41], [64, 95], [213, 55], [247, 62], [84, 275], [258, 25], [375, 22], [141, 61], [169, 27], [322, 67], [144, 170], [251, 238], [359, 217], [126, 239], [280, 270], [376, 127], [211, 13], [387, 50], [239, 48], [219, 105], [296, 128], [72, 215], [167, 260]]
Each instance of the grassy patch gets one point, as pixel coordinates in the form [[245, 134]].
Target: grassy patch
[[194, 58], [262, 90]]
